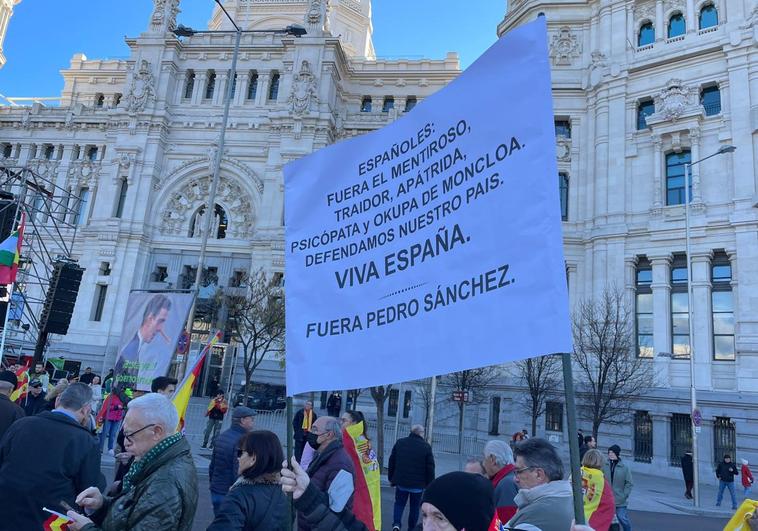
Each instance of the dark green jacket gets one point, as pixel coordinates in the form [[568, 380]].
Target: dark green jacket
[[163, 496]]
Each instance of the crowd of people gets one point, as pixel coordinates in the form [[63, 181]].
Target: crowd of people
[[519, 484]]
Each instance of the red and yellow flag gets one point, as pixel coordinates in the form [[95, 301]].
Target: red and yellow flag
[[184, 390], [22, 375], [367, 503], [10, 253], [55, 523]]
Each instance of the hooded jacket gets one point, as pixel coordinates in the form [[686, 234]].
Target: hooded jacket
[[550, 506]]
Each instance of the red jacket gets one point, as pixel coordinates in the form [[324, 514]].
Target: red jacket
[[505, 490], [747, 476]]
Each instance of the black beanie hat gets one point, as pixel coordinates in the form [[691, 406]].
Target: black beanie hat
[[616, 449], [10, 377], [465, 499]]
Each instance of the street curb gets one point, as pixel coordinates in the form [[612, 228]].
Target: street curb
[[689, 509]]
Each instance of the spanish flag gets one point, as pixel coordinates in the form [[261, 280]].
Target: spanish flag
[[23, 383], [184, 391], [367, 480], [55, 523], [741, 519], [10, 253]]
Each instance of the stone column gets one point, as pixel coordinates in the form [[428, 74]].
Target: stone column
[[630, 270], [695, 170], [262, 93], [657, 171], [199, 88], [661, 439], [241, 94], [661, 309], [182, 85], [660, 24], [219, 94], [702, 323], [690, 17]]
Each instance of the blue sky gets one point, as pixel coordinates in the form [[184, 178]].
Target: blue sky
[[44, 34]]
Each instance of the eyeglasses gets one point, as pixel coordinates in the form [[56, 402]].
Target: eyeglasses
[[129, 436], [519, 471]]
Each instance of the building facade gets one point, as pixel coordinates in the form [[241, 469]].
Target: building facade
[[133, 142], [640, 89], [6, 12]]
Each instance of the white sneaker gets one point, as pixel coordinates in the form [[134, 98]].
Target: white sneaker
[[110, 452]]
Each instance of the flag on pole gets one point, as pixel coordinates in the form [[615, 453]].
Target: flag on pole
[[22, 375], [56, 522], [10, 253], [367, 502], [184, 391]]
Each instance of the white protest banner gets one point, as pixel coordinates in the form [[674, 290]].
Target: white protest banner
[[434, 244]]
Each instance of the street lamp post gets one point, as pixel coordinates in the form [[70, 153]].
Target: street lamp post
[[693, 393], [210, 206]]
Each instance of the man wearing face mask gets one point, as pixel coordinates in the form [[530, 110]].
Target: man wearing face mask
[[331, 470], [47, 458]]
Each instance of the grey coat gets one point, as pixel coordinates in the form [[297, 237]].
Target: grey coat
[[621, 481], [549, 507]]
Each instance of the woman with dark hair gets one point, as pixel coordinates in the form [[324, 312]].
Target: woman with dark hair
[[255, 501], [367, 498], [350, 417]]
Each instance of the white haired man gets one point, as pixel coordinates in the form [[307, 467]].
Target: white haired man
[[499, 467], [160, 489]]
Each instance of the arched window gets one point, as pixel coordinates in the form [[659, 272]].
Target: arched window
[[99, 100], [646, 34], [675, 179], [677, 25], [366, 104], [709, 17], [219, 223], [189, 86], [710, 99], [273, 88], [563, 186]]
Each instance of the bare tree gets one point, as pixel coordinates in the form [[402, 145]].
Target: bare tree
[[380, 395], [472, 382], [256, 320], [424, 390], [541, 377], [611, 376]]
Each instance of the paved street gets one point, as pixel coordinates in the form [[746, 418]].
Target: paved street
[[642, 520]]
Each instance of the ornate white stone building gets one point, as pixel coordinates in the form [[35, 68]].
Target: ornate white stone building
[[134, 140], [640, 87]]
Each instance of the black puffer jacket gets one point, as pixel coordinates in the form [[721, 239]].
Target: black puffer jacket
[[411, 463], [313, 507], [222, 470], [726, 471], [253, 505]]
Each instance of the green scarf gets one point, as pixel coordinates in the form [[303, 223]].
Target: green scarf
[[149, 457]]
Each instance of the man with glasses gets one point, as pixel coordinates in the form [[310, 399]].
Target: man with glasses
[[331, 470], [222, 471], [160, 489], [48, 458], [545, 499]]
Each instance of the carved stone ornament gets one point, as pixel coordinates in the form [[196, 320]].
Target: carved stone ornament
[[176, 217], [164, 15], [141, 90], [644, 11], [563, 149], [125, 160], [596, 68], [315, 17], [303, 90], [84, 172], [752, 19], [675, 100], [565, 47]]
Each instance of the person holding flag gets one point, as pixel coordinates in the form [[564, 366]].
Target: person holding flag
[[184, 391], [22, 374], [217, 408], [599, 503]]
